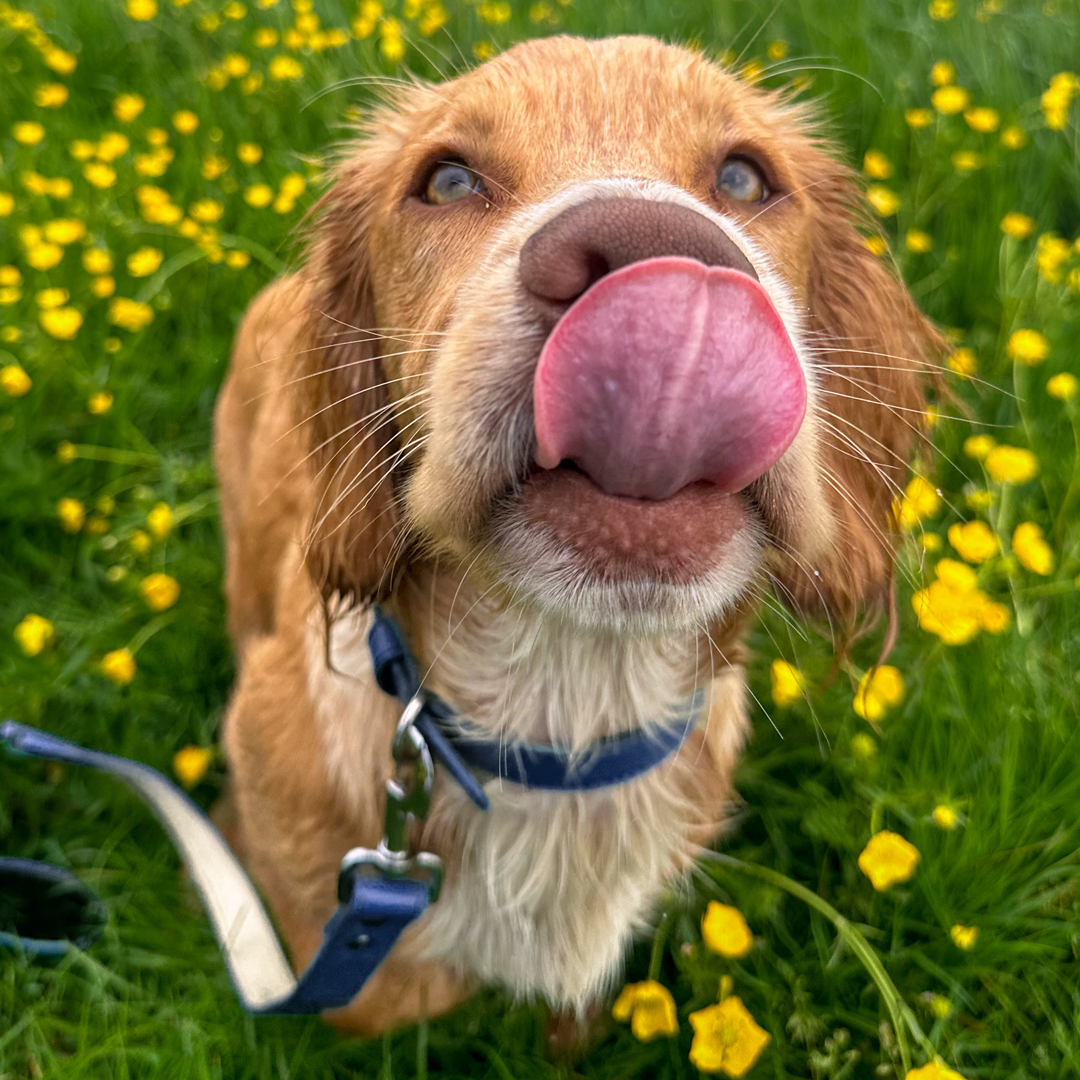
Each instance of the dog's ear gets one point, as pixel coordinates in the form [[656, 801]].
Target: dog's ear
[[345, 409], [876, 354]]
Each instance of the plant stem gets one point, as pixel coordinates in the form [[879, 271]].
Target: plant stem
[[659, 938]]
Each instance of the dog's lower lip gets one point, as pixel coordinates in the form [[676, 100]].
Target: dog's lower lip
[[679, 539]]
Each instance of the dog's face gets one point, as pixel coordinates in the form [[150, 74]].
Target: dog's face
[[594, 320]]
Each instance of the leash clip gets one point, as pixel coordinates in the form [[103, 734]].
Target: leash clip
[[408, 798]]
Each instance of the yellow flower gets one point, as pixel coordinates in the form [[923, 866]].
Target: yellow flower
[[10, 334], [930, 541], [1013, 138], [1027, 347], [126, 107], [494, 12], [936, 1070], [185, 121], [875, 245], [963, 362], [1011, 465], [1062, 386], [877, 165], [236, 66], [237, 260], [884, 200], [14, 381], [919, 242], [160, 591], [888, 859], [726, 1039], [66, 453], [99, 403], [945, 817], [978, 446], [34, 634], [130, 314], [82, 149], [982, 119], [99, 174], [941, 1007], [140, 542], [292, 185], [921, 500], [863, 746], [954, 608], [266, 37], [284, 67], [141, 10], [52, 298], [213, 166], [234, 10], [64, 230], [788, 683], [1030, 547], [28, 132], [103, 286], [249, 153], [50, 95], [964, 937], [879, 690], [966, 161], [63, 63], [62, 323], [112, 145], [119, 666], [942, 9], [97, 261], [1052, 252], [7, 203], [157, 137], [649, 1007], [918, 118], [943, 73], [10, 275], [974, 540], [949, 100], [1017, 225], [71, 513], [191, 763], [44, 256], [724, 931], [160, 520], [259, 195], [144, 262], [206, 211], [1055, 100]]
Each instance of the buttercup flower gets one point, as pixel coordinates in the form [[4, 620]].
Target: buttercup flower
[[284, 67], [963, 362], [144, 262], [249, 153], [1017, 225], [64, 230], [28, 132], [50, 95], [206, 210], [942, 10], [1063, 386], [921, 500], [126, 107], [978, 446], [788, 683], [936, 1070], [34, 634], [949, 100], [918, 118], [884, 200], [1027, 347], [185, 121], [14, 381], [99, 403], [160, 520], [964, 937], [726, 1039], [119, 666], [160, 591], [945, 817], [888, 859], [44, 256], [102, 287], [982, 119], [191, 763], [1013, 138], [130, 314], [1031, 548], [237, 260], [99, 174], [1051, 254], [943, 73], [877, 165], [863, 746], [112, 145], [966, 161], [725, 931], [954, 608], [879, 690], [71, 513], [259, 195], [918, 242], [974, 540], [141, 10], [62, 323], [1011, 465], [649, 1007], [52, 298]]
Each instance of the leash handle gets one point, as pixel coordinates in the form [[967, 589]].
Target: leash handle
[[356, 939]]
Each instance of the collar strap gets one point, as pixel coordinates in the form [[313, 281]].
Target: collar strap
[[604, 763]]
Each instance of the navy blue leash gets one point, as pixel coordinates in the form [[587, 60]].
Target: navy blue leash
[[381, 890]]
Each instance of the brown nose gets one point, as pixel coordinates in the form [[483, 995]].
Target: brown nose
[[579, 246]]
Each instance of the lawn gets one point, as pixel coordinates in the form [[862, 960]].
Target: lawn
[[157, 159]]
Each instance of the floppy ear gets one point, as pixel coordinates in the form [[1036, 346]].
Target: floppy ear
[[345, 408], [876, 354]]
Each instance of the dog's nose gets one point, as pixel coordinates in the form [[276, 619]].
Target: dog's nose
[[576, 248]]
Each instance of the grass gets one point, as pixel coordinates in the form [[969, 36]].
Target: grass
[[988, 728]]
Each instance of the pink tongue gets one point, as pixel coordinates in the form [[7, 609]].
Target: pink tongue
[[667, 372]]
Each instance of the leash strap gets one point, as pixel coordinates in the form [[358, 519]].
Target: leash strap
[[356, 939], [605, 763]]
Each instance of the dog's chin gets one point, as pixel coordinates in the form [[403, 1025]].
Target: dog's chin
[[604, 560]]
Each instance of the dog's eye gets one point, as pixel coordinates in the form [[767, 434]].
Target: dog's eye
[[450, 182], [742, 180]]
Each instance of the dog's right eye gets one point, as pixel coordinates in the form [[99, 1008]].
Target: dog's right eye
[[451, 182]]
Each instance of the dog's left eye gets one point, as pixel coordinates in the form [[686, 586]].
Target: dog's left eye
[[450, 182], [741, 179]]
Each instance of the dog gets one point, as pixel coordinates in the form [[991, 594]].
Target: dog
[[588, 351]]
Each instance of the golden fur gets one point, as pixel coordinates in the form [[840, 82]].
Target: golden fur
[[370, 441]]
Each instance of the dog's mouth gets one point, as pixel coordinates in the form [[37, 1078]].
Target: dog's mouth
[[660, 397]]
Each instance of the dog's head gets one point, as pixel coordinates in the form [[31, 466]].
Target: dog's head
[[595, 321]]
